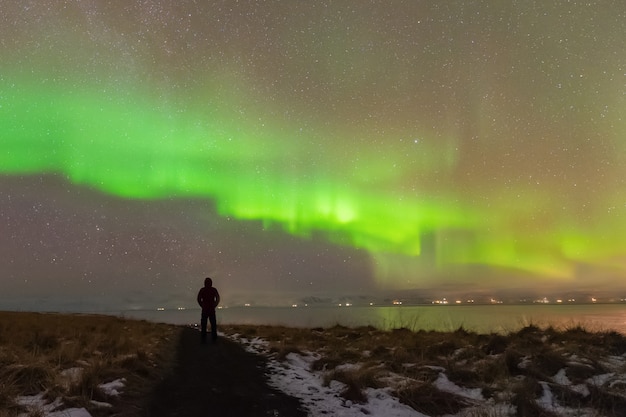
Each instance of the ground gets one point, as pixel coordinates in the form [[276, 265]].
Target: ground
[[218, 379]]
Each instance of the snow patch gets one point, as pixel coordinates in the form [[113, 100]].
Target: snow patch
[[599, 380], [112, 388], [561, 378], [37, 404], [294, 377], [444, 384]]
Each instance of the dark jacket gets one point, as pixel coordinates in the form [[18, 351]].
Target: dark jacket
[[208, 299]]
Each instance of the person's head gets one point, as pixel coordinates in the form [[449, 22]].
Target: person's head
[[208, 282]]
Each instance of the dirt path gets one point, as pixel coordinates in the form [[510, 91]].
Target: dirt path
[[218, 380]]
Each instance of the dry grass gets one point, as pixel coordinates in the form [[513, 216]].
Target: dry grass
[[69, 356], [41, 353], [509, 370]]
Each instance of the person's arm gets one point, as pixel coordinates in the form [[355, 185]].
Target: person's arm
[[217, 298], [200, 298]]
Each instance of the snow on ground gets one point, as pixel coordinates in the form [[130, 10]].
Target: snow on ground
[[294, 377], [444, 384], [38, 404], [113, 388]]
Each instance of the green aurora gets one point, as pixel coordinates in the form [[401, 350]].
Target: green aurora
[[524, 183], [134, 150]]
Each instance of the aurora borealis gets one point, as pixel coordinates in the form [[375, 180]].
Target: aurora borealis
[[304, 147]]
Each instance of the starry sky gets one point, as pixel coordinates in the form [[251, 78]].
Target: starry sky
[[292, 148]]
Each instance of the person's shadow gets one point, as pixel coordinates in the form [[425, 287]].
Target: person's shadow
[[221, 380]]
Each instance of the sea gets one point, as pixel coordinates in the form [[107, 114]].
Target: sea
[[484, 319]]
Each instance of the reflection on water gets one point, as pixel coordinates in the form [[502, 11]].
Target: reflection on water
[[478, 318]]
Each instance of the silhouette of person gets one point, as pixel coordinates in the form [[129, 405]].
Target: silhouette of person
[[208, 299]]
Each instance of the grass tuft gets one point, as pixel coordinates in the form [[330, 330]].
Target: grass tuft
[[428, 400], [510, 370], [583, 370], [30, 379], [37, 348]]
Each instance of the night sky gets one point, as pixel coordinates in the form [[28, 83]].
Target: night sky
[[296, 148]]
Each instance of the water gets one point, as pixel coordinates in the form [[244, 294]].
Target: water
[[478, 318]]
